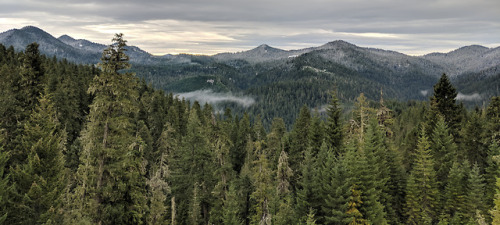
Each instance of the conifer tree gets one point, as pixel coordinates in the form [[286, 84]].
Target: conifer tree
[[283, 199], [491, 174], [444, 151], [262, 181], [231, 213], [334, 183], [495, 212], [42, 178], [473, 146], [158, 191], [299, 139], [421, 189], [363, 173], [493, 116], [5, 188], [310, 218], [193, 163], [454, 193], [274, 141], [443, 102], [307, 197], [474, 200], [316, 133], [334, 127], [111, 181], [354, 215]]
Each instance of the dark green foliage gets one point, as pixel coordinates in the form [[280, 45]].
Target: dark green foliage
[[421, 188], [443, 103], [101, 147], [111, 181], [334, 132]]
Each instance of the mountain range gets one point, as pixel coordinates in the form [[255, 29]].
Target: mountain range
[[292, 78]]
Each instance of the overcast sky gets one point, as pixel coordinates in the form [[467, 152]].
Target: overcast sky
[[212, 26]]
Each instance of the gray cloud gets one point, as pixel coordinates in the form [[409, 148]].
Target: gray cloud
[[208, 96], [200, 26]]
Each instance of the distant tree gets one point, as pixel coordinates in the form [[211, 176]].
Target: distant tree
[[443, 103], [334, 127]]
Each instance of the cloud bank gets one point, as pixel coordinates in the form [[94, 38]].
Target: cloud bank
[[208, 96], [472, 97]]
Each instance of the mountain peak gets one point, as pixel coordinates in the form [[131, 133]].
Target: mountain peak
[[337, 44], [264, 48], [66, 38], [32, 29]]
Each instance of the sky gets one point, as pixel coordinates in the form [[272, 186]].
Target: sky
[[413, 27]]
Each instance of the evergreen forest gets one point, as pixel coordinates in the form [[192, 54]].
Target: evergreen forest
[[93, 144]]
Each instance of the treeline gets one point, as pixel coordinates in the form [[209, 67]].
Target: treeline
[[81, 145]]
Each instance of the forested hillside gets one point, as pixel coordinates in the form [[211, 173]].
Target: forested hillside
[[94, 145]]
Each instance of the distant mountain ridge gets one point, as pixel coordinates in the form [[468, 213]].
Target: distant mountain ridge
[[465, 60], [281, 81], [75, 50]]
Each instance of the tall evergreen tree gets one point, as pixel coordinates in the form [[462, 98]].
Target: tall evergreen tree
[[421, 189], [262, 181], [444, 151], [5, 188], [299, 139], [111, 176], [443, 103], [41, 179], [334, 127]]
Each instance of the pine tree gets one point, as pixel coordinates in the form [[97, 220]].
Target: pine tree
[[454, 193], [493, 116], [334, 183], [421, 187], [495, 212], [334, 127], [193, 163], [111, 181], [473, 147], [274, 141], [299, 139], [306, 194], [354, 215], [5, 188], [262, 182], [444, 151], [284, 211], [158, 191], [317, 133], [491, 174], [443, 103], [42, 177], [310, 218], [474, 200], [231, 212]]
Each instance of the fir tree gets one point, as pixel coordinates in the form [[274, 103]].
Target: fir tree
[[421, 187], [444, 151], [443, 103], [262, 182], [111, 176], [334, 128], [354, 215], [42, 178], [231, 212], [5, 188]]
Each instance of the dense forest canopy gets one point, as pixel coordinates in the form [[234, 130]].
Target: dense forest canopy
[[83, 144]]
